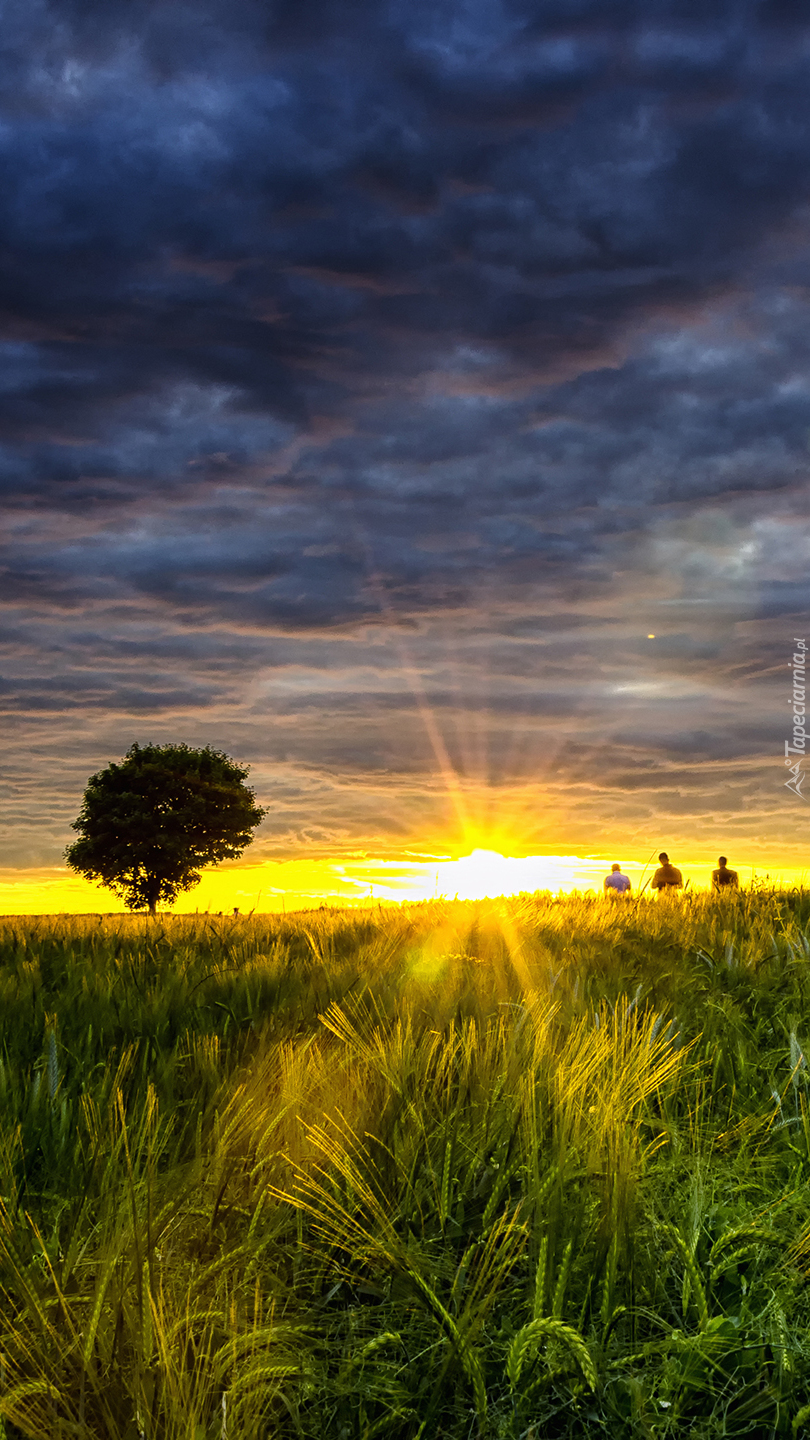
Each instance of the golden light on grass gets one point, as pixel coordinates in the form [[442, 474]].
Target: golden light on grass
[[500, 1120]]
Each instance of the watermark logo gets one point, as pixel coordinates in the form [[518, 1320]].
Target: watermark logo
[[798, 747]]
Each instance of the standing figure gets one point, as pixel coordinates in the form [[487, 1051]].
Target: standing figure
[[667, 876], [616, 883], [723, 878]]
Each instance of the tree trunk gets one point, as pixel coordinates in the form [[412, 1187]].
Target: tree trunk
[[152, 889]]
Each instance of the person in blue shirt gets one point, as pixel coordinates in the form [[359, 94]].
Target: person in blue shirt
[[616, 883]]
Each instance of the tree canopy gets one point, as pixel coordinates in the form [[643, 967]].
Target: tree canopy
[[148, 824]]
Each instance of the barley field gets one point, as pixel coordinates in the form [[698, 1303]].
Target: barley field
[[526, 1168]]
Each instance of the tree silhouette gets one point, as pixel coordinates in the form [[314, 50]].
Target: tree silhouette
[[148, 824]]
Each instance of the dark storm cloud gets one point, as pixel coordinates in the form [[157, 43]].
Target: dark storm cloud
[[367, 363]]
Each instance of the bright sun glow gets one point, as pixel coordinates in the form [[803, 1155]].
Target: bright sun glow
[[487, 873], [276, 885]]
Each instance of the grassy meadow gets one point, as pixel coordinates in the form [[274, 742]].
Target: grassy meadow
[[524, 1168]]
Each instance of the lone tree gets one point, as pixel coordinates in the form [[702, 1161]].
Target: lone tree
[[148, 824]]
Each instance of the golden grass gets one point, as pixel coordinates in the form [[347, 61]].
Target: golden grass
[[400, 1173]]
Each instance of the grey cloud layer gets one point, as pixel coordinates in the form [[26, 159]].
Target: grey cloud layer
[[346, 349]]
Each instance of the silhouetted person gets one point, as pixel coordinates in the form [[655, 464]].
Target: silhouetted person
[[617, 883], [723, 878], [666, 877]]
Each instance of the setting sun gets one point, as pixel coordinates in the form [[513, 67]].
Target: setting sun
[[360, 879], [486, 873]]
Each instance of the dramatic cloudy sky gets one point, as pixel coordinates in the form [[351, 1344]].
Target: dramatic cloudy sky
[[375, 378]]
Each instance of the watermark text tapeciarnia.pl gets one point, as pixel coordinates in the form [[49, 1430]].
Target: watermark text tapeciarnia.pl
[[798, 746]]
